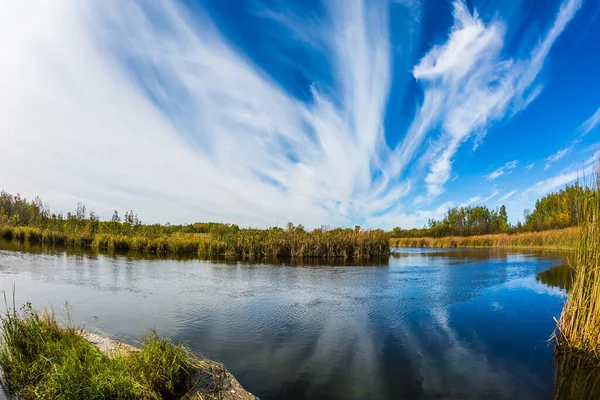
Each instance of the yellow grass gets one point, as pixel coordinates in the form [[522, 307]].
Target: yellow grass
[[579, 325], [560, 239], [245, 243]]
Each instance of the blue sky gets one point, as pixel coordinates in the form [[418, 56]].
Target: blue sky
[[378, 113]]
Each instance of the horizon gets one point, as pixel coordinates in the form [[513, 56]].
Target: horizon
[[378, 114], [82, 212]]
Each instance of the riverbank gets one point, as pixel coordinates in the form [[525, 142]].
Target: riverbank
[[558, 239], [273, 243], [41, 359]]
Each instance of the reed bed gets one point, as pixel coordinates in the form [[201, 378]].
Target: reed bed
[[559, 239], [245, 244], [579, 325], [41, 359]]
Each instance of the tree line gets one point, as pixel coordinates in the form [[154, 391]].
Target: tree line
[[16, 211], [33, 222], [554, 211]]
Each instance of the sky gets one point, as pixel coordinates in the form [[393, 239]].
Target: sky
[[341, 113]]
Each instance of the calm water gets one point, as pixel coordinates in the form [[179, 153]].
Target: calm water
[[425, 324]]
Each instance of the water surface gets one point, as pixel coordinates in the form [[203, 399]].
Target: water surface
[[425, 324]]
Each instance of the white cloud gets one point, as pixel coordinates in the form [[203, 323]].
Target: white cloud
[[225, 142], [594, 159], [416, 219], [470, 201], [140, 105], [507, 196], [491, 196], [479, 199], [477, 85], [555, 157], [529, 167], [544, 187], [527, 197], [586, 127], [589, 124], [502, 170]]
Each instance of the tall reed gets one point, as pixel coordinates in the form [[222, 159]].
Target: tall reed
[[579, 325], [559, 239], [243, 243]]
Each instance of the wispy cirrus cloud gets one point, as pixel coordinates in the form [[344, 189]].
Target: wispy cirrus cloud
[[507, 196], [586, 127], [470, 83], [470, 201], [196, 123], [494, 193], [147, 105], [555, 157], [589, 124], [502, 170], [479, 199], [545, 186]]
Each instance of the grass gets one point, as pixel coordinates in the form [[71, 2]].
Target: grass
[[579, 325], [559, 239], [244, 244], [41, 359]]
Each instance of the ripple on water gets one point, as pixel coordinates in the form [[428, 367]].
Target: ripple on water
[[428, 324]]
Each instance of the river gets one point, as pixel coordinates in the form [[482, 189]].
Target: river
[[423, 324]]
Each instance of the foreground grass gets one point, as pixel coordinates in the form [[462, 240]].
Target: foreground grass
[[560, 239], [245, 243], [579, 325], [40, 359]]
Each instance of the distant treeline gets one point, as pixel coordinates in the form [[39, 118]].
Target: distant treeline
[[32, 221], [16, 211], [554, 211]]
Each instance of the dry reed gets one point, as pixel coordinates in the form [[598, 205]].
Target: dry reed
[[559, 239], [579, 325], [244, 244]]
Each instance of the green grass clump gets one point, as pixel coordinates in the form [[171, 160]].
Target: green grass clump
[[41, 359]]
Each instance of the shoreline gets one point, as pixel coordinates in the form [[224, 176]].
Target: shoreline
[[211, 380], [41, 358], [557, 239], [244, 244]]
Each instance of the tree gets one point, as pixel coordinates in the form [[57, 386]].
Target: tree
[[503, 219], [81, 212], [94, 223]]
